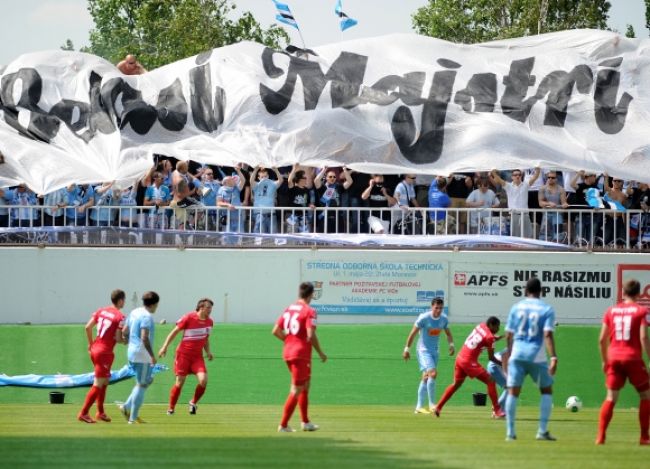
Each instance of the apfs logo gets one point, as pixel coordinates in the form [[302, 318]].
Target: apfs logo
[[460, 279], [318, 290], [425, 296]]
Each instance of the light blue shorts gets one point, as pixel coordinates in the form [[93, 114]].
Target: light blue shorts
[[497, 374], [427, 360], [143, 373], [518, 369]]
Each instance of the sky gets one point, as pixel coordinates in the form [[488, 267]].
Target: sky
[[35, 25]]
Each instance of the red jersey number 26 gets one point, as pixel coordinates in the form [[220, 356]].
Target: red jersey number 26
[[291, 324]]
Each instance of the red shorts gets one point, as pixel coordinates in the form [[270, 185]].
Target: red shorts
[[473, 370], [620, 370], [300, 371], [103, 362], [188, 364]]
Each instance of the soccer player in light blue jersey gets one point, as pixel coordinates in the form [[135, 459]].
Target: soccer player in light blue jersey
[[530, 326], [139, 329], [429, 325]]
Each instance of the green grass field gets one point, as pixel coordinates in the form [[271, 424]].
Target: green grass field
[[363, 398]]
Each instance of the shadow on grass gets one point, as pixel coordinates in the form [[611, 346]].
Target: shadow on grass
[[286, 450]]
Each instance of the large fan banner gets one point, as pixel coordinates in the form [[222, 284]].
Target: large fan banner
[[405, 103]]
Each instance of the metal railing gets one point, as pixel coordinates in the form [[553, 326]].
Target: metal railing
[[580, 228]]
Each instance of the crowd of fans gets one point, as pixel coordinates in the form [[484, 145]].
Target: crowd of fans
[[533, 203]]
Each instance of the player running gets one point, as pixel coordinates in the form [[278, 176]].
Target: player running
[[467, 365], [531, 323], [623, 338], [109, 322], [429, 325], [297, 329], [196, 327]]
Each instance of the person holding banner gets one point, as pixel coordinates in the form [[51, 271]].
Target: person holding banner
[[130, 66], [517, 192]]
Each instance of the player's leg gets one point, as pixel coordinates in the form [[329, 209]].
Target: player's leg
[[431, 386], [459, 379], [515, 379], [175, 392], [499, 377], [101, 397], [427, 363], [485, 377], [95, 389], [638, 375], [606, 414], [197, 367], [143, 378], [539, 373], [297, 387]]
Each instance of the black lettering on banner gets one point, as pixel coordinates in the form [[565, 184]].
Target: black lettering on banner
[[610, 116], [172, 107], [2, 158], [207, 114], [481, 91]]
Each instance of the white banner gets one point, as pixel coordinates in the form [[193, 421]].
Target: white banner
[[574, 99]]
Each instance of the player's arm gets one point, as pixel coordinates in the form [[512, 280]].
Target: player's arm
[[492, 358], [450, 341], [168, 340], [206, 347], [603, 344], [409, 340], [550, 348], [144, 336], [119, 337], [313, 338], [645, 340], [279, 332], [89, 331]]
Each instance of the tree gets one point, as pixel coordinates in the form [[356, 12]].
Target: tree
[[647, 14], [472, 21], [629, 31], [159, 32]]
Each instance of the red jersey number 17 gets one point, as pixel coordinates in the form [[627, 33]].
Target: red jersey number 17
[[102, 326], [291, 324]]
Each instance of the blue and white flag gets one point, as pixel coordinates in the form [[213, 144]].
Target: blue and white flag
[[346, 21], [284, 14]]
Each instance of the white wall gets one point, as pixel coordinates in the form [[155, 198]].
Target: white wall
[[65, 285]]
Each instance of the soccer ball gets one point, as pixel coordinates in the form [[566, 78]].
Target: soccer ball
[[573, 404]]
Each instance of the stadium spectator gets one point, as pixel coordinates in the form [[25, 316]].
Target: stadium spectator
[[181, 173], [517, 192], [378, 197], [302, 201], [128, 214], [139, 329], [429, 325], [229, 197], [587, 222], [196, 327], [297, 329], [614, 226], [328, 195], [130, 66], [157, 196], [6, 195], [483, 197], [623, 338], [405, 195], [440, 221], [26, 214], [109, 321], [264, 193], [531, 323], [459, 186], [53, 204], [355, 221], [534, 184], [467, 365], [552, 197], [102, 214], [208, 190]]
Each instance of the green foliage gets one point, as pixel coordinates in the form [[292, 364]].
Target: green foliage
[[629, 31], [473, 21], [159, 32]]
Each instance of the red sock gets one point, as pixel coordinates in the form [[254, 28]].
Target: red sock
[[492, 392], [289, 407], [451, 389], [198, 392], [174, 394], [90, 399], [303, 404], [644, 418], [606, 414], [101, 397]]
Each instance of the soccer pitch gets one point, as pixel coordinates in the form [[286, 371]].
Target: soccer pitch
[[363, 398]]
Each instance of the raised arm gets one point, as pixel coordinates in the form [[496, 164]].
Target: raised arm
[[278, 175], [535, 176], [348, 178], [318, 180], [253, 177], [168, 340], [495, 176]]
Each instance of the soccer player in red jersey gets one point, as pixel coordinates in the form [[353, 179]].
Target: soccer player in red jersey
[[196, 327], [623, 338], [109, 321], [467, 365], [297, 329]]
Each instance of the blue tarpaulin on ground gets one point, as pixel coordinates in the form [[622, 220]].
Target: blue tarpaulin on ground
[[69, 381]]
